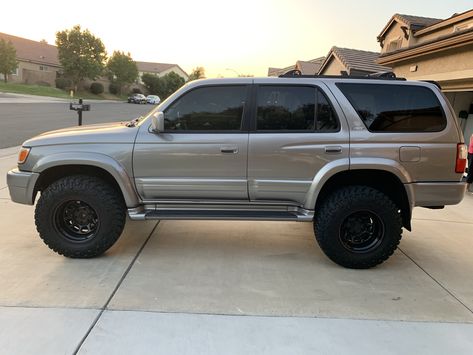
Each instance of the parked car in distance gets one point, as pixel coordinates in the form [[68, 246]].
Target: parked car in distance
[[137, 99], [153, 99]]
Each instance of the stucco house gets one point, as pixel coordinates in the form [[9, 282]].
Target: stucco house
[[347, 61], [159, 69], [37, 61], [422, 48]]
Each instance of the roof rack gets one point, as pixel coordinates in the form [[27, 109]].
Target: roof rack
[[386, 75]]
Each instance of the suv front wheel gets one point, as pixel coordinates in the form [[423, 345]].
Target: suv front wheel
[[358, 227], [80, 216]]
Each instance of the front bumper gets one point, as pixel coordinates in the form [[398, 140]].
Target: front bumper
[[21, 186], [433, 194]]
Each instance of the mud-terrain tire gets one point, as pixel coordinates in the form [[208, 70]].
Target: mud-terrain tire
[[358, 227], [80, 216]]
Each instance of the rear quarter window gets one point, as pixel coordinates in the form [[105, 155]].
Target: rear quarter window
[[395, 108]]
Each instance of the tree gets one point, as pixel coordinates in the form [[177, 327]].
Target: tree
[[197, 73], [122, 69], [82, 55], [8, 61], [162, 86]]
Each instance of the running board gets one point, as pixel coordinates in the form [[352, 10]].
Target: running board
[[300, 215]]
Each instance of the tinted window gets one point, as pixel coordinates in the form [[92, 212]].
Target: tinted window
[[293, 108], [395, 108], [216, 108], [325, 116]]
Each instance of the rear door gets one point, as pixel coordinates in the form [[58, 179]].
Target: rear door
[[297, 131]]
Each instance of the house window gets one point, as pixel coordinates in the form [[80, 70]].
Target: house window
[[43, 68], [394, 45], [15, 72]]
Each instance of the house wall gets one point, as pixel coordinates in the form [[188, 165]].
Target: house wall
[[451, 68], [395, 33], [333, 67], [441, 31], [30, 73]]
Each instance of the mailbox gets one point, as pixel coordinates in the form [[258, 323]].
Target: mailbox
[[79, 107]]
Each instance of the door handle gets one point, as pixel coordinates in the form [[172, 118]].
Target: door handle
[[334, 149], [229, 150]]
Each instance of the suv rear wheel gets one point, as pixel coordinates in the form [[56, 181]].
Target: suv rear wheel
[[80, 216], [358, 227]]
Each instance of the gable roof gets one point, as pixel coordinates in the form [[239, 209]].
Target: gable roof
[[355, 59], [310, 67], [150, 67], [279, 71], [33, 51], [412, 22]]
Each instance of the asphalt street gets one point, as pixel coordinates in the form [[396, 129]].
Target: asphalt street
[[20, 121]]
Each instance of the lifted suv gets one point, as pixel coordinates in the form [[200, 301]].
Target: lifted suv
[[353, 156]]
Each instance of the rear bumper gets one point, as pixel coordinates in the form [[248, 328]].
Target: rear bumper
[[21, 186], [431, 194]]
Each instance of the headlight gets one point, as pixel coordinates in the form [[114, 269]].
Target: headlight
[[23, 155]]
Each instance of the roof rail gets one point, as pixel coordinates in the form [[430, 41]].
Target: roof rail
[[387, 75]]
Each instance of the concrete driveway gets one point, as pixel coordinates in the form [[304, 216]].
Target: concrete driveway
[[187, 287]]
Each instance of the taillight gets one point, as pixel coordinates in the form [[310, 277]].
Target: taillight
[[461, 158]]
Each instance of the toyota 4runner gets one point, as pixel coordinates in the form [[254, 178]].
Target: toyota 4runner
[[352, 155]]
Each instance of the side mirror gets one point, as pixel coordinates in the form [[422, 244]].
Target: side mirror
[[157, 122]]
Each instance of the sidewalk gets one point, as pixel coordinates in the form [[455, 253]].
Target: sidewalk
[[199, 287]]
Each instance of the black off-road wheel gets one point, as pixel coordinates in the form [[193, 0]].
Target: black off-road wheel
[[80, 216], [358, 227]]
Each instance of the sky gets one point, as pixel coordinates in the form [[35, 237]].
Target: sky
[[225, 37]]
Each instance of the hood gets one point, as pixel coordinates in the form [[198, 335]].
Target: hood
[[115, 132]]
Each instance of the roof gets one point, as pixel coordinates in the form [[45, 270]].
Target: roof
[[417, 21], [279, 71], [310, 67], [355, 59], [33, 51], [412, 22], [149, 67]]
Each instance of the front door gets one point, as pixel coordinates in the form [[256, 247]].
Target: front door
[[202, 153]]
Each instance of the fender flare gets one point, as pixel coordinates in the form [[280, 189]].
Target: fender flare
[[99, 160]]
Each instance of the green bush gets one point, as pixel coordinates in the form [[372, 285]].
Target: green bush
[[96, 88], [136, 91], [114, 88], [63, 83]]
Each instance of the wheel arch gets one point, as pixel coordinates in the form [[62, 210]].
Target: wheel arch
[[54, 167], [382, 180]]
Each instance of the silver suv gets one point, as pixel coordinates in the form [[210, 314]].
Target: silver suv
[[353, 156]]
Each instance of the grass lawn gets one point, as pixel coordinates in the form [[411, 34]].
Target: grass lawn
[[52, 92]]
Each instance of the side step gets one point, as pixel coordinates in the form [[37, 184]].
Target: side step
[[299, 214]]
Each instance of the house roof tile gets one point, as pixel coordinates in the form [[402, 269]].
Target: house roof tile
[[33, 51], [355, 59]]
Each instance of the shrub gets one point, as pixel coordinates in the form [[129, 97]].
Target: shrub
[[114, 88], [136, 91], [96, 88], [63, 83]]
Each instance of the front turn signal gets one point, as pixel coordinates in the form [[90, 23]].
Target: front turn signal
[[23, 155]]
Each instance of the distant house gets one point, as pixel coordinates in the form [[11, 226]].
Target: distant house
[[423, 48], [160, 69], [346, 61], [307, 67], [37, 61]]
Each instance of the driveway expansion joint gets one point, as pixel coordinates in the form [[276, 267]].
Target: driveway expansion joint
[[104, 307], [437, 282]]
